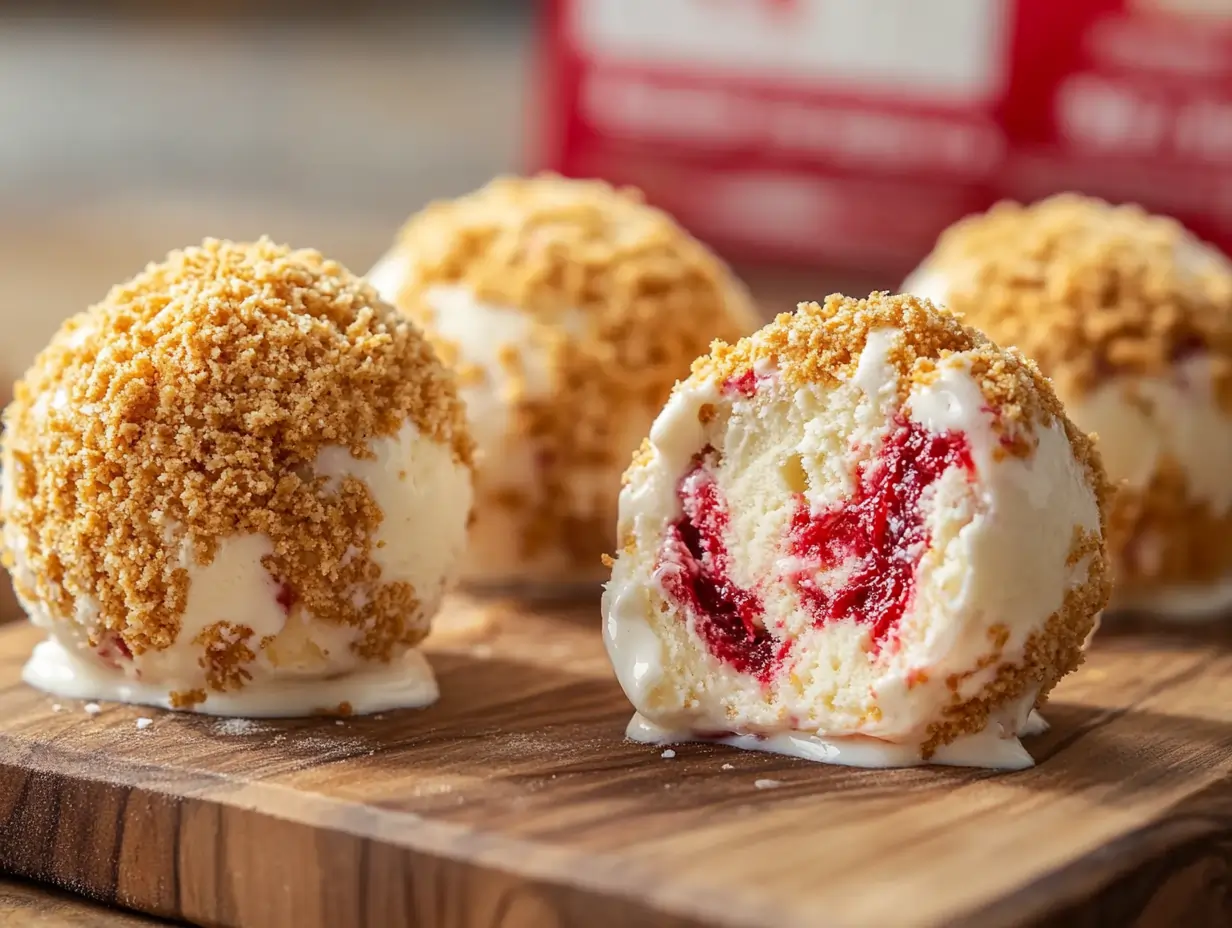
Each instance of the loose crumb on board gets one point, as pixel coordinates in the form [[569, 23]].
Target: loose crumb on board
[[767, 784], [668, 754], [727, 767], [92, 708], [144, 723], [232, 727], [56, 707], [324, 748]]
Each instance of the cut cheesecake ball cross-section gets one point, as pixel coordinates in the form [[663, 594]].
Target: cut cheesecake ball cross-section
[[864, 535]]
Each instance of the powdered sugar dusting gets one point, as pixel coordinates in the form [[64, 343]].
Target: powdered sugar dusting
[[327, 748]]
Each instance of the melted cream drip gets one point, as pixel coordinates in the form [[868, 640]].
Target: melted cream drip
[[995, 747], [403, 684]]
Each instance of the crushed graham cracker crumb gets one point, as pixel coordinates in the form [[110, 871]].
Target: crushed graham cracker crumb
[[341, 711], [225, 653], [1089, 290], [1160, 538], [618, 300], [189, 406], [641, 458], [187, 699]]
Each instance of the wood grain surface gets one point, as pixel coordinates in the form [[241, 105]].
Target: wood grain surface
[[25, 905], [516, 801]]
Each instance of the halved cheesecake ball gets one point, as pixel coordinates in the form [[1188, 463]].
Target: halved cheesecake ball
[[1131, 317], [238, 485], [864, 535], [568, 309]]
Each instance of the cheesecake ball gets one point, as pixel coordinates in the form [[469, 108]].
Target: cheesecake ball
[[238, 485], [1131, 317], [865, 535], [568, 309]]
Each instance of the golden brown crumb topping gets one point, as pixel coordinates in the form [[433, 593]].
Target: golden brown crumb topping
[[189, 406], [1161, 538], [1089, 290], [226, 655], [617, 300]]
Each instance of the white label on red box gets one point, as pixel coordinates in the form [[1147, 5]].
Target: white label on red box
[[945, 50], [854, 130]]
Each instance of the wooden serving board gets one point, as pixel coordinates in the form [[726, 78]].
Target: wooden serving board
[[516, 802], [26, 905]]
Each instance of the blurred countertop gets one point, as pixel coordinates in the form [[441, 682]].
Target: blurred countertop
[[123, 142]]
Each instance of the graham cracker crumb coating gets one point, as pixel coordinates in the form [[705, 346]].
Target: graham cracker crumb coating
[[189, 406], [1159, 537], [1089, 290], [651, 298]]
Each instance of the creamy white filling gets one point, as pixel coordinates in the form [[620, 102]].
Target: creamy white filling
[[1140, 420], [999, 559], [485, 335], [1009, 566], [235, 587], [928, 284], [513, 352], [424, 497], [388, 274], [647, 504]]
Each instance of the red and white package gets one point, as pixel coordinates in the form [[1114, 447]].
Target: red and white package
[[849, 132]]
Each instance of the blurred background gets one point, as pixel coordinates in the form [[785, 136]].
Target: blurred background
[[819, 144], [128, 128]]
